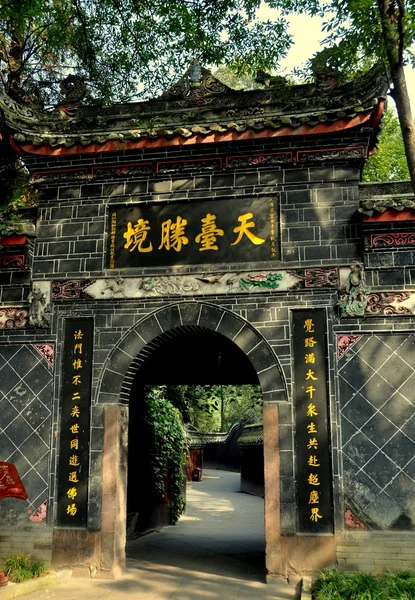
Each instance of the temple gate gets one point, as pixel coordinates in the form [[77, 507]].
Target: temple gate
[[240, 214]]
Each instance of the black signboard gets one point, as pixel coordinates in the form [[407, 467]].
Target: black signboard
[[189, 233], [313, 462], [74, 427]]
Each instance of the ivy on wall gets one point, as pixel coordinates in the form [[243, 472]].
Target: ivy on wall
[[167, 451]]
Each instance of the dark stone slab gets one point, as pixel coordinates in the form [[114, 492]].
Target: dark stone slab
[[93, 264], [285, 412], [230, 325], [66, 193], [120, 361], [271, 380], [286, 463], [149, 329], [296, 175], [111, 383], [398, 409], [72, 265], [400, 449], [381, 469], [247, 338], [379, 429], [287, 490], [360, 449], [189, 312], [58, 248], [226, 181], [97, 438], [377, 391], [131, 345], [392, 277], [358, 411], [210, 317], [91, 190], [85, 247], [301, 234], [286, 437], [11, 294], [317, 252], [169, 318]]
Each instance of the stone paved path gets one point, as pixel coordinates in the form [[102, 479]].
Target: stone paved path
[[215, 551]]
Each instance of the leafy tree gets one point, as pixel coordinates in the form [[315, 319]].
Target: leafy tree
[[360, 33], [389, 161], [216, 407], [130, 47]]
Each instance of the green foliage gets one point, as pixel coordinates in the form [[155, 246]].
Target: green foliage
[[388, 163], [21, 567], [355, 39], [132, 47], [16, 192], [215, 407], [363, 586], [167, 450]]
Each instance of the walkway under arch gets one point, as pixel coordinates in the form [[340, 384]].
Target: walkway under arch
[[114, 392]]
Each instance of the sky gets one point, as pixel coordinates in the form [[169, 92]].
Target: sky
[[307, 34]]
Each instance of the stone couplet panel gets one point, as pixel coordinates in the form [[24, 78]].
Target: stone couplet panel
[[74, 424], [313, 459], [376, 383], [26, 426]]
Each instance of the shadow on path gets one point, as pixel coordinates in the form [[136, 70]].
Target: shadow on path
[[222, 532], [215, 552]]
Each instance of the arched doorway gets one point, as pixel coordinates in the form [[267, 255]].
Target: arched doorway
[[211, 327], [193, 358]]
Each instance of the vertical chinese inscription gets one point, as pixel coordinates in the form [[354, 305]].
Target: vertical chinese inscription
[[313, 462], [273, 220], [74, 427], [113, 232]]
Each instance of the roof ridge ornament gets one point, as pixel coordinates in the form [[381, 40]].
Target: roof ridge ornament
[[72, 89], [196, 82]]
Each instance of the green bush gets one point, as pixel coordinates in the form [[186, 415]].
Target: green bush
[[332, 585], [21, 567], [167, 451]]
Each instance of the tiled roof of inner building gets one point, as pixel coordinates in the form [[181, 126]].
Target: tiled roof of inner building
[[200, 108], [253, 435]]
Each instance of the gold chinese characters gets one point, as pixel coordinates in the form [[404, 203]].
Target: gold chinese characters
[[173, 234], [311, 413], [74, 463]]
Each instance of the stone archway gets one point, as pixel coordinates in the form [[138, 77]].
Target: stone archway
[[118, 376], [149, 333]]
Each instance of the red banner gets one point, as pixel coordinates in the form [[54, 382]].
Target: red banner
[[11, 485]]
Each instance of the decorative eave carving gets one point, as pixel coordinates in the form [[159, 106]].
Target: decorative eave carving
[[371, 206], [391, 197], [199, 105]]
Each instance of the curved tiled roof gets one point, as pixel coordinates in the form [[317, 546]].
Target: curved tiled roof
[[252, 435], [201, 108]]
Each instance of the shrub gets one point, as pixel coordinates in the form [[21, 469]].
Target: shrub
[[332, 585], [21, 567]]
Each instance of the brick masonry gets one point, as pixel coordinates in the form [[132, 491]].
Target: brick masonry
[[320, 226], [369, 551]]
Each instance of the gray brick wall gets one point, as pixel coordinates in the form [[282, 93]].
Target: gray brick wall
[[318, 204]]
